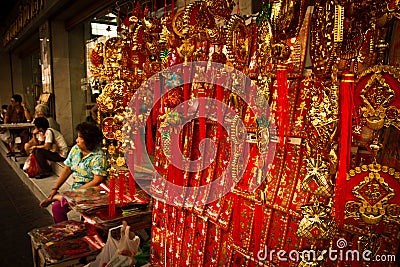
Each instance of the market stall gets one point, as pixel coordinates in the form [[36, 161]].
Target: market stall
[[254, 143]]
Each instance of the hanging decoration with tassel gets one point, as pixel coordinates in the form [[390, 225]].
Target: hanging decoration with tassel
[[121, 188], [281, 52], [111, 196], [345, 108]]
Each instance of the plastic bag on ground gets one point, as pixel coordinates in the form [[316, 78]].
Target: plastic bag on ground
[[108, 251], [128, 246], [118, 253]]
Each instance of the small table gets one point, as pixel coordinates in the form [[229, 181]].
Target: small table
[[15, 129]]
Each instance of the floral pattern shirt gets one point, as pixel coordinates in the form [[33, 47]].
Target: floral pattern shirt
[[84, 169]]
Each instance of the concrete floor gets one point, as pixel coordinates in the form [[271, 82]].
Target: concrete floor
[[20, 214]]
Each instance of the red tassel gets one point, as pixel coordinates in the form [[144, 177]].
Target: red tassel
[[137, 137], [202, 112], [283, 103], [186, 88], [149, 137], [121, 188], [346, 108], [237, 210], [258, 227], [219, 96], [111, 197]]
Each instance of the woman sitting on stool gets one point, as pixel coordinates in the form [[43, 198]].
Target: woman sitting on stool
[[54, 148], [86, 162]]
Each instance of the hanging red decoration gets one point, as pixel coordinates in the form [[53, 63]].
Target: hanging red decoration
[[202, 112], [138, 137], [282, 102], [345, 108], [219, 96], [121, 187], [186, 88], [111, 197]]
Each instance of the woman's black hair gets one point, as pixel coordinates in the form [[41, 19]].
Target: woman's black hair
[[41, 122], [17, 98], [91, 134]]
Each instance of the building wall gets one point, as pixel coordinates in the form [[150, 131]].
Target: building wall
[[27, 83], [5, 78], [17, 75], [61, 79]]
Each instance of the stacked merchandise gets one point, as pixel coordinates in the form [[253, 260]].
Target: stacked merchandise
[[65, 244], [92, 204]]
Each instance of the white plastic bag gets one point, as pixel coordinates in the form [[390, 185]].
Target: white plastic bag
[[128, 246], [27, 163], [118, 253], [108, 251]]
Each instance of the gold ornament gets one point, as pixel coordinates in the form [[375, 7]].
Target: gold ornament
[[373, 194], [186, 50], [377, 96], [264, 43], [111, 149], [177, 23], [316, 223], [322, 48], [221, 9], [237, 43], [238, 135], [287, 17], [120, 161], [317, 179]]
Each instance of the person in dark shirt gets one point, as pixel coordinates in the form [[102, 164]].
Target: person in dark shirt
[[17, 112]]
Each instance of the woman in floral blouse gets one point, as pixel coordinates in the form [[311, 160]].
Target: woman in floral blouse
[[86, 162]]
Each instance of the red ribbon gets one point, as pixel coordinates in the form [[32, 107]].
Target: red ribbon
[[346, 108], [202, 112], [111, 197], [283, 103], [258, 225], [186, 88], [237, 217], [137, 137], [121, 187], [219, 96]]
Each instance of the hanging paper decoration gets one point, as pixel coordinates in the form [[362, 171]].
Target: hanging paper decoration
[[281, 212], [346, 107]]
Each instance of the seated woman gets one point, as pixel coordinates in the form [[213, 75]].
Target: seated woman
[[42, 110], [53, 147], [86, 162]]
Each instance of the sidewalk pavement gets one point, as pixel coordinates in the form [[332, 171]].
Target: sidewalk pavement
[[20, 213], [40, 188]]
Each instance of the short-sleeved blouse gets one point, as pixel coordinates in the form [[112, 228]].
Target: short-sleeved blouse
[[84, 169]]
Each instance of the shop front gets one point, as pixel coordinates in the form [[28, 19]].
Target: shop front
[[238, 133]]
